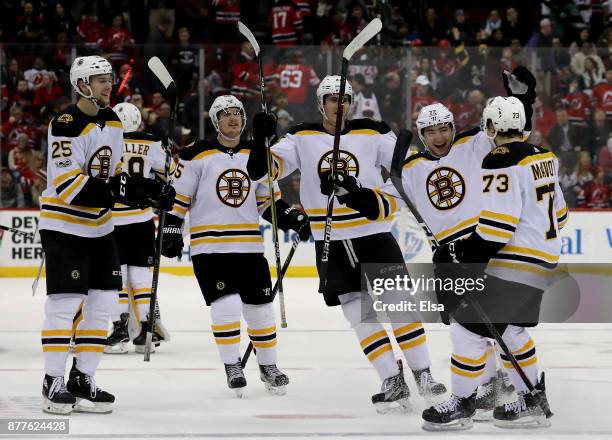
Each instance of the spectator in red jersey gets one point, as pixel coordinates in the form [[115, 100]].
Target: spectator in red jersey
[[582, 176], [117, 41], [595, 194], [354, 23], [15, 125], [91, 30], [245, 84], [286, 22], [227, 16], [422, 96], [35, 73], [578, 105], [545, 117], [29, 25], [602, 95], [47, 91], [296, 80], [22, 95]]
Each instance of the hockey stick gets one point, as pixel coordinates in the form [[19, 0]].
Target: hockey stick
[[18, 232], [160, 71], [294, 245], [397, 163], [357, 43], [264, 108]]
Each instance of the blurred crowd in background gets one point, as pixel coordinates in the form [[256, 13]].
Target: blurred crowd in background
[[428, 51]]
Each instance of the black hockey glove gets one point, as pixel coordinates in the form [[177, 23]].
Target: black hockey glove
[[448, 253], [344, 184], [172, 241], [520, 83], [298, 221], [166, 198], [350, 192], [139, 192], [264, 126]]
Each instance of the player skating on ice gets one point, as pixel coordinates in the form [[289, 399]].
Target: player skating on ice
[[522, 212], [443, 183], [224, 206], [143, 155], [366, 147], [85, 144]]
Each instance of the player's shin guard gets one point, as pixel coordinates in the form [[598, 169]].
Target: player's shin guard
[[225, 314], [262, 331], [60, 310], [140, 280], [92, 332], [467, 361], [522, 347]]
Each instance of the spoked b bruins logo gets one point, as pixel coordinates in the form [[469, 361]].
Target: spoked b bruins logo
[[347, 163], [233, 187], [445, 188], [100, 163]]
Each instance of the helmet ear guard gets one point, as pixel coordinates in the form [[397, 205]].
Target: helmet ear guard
[[222, 103]]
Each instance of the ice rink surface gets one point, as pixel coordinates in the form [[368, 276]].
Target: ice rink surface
[[182, 392]]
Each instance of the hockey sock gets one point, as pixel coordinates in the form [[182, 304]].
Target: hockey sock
[[93, 330], [78, 317], [60, 310], [522, 347], [490, 364], [372, 337], [413, 342], [262, 331], [122, 305], [467, 361], [140, 280], [225, 314]]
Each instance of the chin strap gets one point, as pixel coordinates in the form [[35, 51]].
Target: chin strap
[[219, 133], [90, 96]]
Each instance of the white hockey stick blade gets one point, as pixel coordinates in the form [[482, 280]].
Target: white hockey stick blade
[[160, 71], [249, 36], [362, 38]]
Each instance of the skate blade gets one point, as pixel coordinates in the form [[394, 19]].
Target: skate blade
[[56, 408], [141, 348], [116, 349], [400, 406], [239, 393], [276, 391], [455, 425], [86, 406], [527, 422], [483, 415]]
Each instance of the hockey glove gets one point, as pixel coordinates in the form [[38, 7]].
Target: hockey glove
[[344, 184], [448, 253], [298, 221], [520, 83], [138, 191], [350, 192], [264, 126], [166, 198], [172, 241]]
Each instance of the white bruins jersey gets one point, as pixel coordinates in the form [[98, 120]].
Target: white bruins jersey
[[522, 208], [365, 147], [447, 190], [81, 148], [224, 204], [143, 155]]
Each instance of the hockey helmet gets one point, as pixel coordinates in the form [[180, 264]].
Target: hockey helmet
[[431, 115], [330, 85], [130, 116], [222, 103], [83, 68], [505, 113]]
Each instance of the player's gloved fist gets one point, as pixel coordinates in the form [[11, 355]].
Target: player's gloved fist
[[166, 198], [520, 83], [135, 191], [172, 240], [448, 253], [264, 125], [298, 221], [346, 185]]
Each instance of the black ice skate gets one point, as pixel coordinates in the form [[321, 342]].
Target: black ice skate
[[497, 391], [524, 412], [394, 396], [140, 340], [427, 387], [89, 398], [119, 337], [453, 415], [57, 399], [235, 378], [274, 380]]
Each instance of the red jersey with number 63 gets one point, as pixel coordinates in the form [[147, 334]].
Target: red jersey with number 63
[[294, 80]]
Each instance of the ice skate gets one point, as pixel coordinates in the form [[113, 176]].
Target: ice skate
[[57, 399], [491, 394], [427, 387], [89, 398], [394, 396], [453, 415], [140, 340], [117, 341], [274, 380], [524, 412], [235, 378]]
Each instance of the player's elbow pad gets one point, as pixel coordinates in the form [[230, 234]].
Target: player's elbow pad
[[95, 194], [364, 201]]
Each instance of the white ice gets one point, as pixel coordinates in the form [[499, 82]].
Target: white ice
[[182, 392]]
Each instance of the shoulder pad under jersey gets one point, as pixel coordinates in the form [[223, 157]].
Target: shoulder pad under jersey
[[307, 128], [141, 136], [367, 124], [511, 154]]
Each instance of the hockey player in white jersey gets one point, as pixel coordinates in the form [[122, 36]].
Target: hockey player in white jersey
[[76, 229], [224, 206], [443, 183], [366, 147], [522, 212], [143, 155]]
